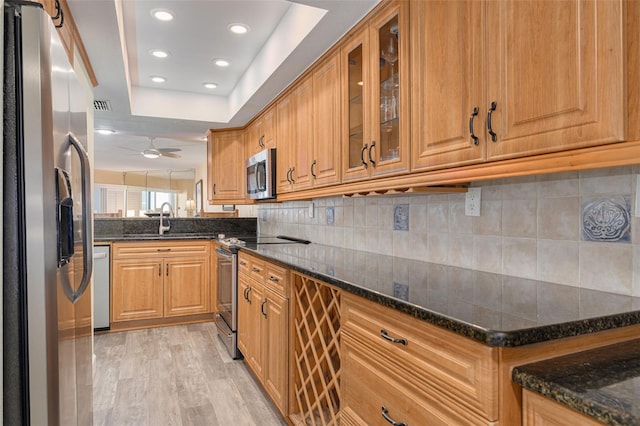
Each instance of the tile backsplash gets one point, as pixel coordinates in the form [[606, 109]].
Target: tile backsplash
[[574, 228]]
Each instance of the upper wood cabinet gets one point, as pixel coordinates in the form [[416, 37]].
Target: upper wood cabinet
[[375, 96], [308, 126], [557, 75], [226, 158], [261, 134], [325, 164], [503, 79]]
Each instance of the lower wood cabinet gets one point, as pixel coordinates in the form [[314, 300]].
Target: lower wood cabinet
[[263, 310], [540, 411], [419, 373], [159, 280]]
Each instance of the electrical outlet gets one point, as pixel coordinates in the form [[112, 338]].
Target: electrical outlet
[[311, 209], [472, 202]]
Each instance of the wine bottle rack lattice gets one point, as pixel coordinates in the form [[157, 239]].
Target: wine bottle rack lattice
[[317, 353]]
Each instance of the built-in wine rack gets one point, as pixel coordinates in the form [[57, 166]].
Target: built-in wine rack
[[316, 359]]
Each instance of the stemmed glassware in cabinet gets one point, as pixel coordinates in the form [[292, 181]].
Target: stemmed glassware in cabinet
[[390, 54]]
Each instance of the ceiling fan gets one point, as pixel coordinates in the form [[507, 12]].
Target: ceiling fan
[[152, 152]]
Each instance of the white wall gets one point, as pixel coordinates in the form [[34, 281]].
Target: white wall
[[243, 210], [529, 227]]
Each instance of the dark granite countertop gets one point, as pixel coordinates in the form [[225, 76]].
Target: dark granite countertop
[[146, 229], [493, 309], [603, 383]]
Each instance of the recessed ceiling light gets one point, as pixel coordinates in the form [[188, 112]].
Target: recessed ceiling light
[[158, 79], [159, 53], [238, 28], [221, 62], [162, 15], [210, 85], [105, 131]]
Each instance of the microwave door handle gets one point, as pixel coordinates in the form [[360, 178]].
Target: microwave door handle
[[87, 246]]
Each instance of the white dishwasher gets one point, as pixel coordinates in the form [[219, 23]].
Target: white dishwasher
[[101, 280]]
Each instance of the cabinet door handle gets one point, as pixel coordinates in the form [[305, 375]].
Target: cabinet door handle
[[288, 173], [364, 148], [164, 249], [159, 269], [313, 165], [371, 160], [494, 136], [264, 302], [385, 415], [474, 138], [214, 189], [385, 336], [261, 141], [274, 279], [248, 291], [293, 169], [167, 269]]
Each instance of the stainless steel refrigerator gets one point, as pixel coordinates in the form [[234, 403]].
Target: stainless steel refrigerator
[[47, 238]]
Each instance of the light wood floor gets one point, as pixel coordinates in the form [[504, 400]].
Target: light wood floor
[[174, 376]]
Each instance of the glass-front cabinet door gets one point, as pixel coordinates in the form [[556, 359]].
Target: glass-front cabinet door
[[357, 124], [389, 100], [376, 125]]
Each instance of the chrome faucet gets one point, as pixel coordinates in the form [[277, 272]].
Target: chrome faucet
[[163, 228]]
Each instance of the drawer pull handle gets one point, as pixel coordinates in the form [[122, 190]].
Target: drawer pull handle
[[164, 249], [274, 279], [385, 414], [254, 269], [243, 263], [385, 336]]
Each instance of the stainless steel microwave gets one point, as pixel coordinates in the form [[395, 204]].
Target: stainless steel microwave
[[261, 175]]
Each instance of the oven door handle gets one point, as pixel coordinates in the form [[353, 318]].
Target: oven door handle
[[222, 329]]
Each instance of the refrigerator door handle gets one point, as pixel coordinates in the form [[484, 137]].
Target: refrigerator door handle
[[87, 246]]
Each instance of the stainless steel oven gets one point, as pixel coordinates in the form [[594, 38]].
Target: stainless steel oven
[[227, 307], [227, 317]]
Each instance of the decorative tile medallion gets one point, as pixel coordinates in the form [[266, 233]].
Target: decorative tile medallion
[[606, 219], [330, 215], [401, 217], [401, 291]]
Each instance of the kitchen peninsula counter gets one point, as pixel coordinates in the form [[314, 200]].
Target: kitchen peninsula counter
[[496, 310], [602, 383]]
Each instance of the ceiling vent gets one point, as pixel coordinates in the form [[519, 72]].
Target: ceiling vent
[[102, 106]]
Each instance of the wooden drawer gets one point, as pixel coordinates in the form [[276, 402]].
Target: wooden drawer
[[252, 266], [369, 384], [163, 248], [276, 279], [436, 361]]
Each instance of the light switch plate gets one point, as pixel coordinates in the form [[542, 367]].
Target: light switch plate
[[311, 206], [472, 202]]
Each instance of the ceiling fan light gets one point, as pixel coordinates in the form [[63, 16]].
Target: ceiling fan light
[[151, 153]]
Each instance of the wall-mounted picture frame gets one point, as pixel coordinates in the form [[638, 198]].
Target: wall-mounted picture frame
[[199, 205]]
